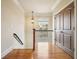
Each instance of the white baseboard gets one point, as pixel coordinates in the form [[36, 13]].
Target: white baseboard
[[6, 51]]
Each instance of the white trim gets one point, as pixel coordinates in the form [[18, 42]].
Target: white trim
[[18, 5], [63, 7], [56, 4], [6, 51]]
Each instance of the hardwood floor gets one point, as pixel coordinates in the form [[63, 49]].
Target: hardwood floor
[[44, 51]]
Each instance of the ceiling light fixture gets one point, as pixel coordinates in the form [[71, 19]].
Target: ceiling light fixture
[[32, 17]]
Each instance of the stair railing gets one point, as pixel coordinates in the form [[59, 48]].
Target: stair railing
[[17, 38]]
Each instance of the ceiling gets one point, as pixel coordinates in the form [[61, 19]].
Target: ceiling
[[38, 6]]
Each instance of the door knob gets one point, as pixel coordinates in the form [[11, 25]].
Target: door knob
[[61, 31]]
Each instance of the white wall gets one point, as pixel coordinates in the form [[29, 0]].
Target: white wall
[[50, 28], [75, 32], [50, 23], [28, 33], [12, 21]]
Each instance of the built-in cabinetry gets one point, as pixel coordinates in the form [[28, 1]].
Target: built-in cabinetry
[[64, 29]]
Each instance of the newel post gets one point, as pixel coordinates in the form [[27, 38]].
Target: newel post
[[33, 39]]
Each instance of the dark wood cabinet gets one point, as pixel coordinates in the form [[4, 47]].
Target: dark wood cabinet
[[64, 27]]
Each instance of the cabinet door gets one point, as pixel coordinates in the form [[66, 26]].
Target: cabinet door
[[67, 29], [72, 28], [57, 28], [61, 28]]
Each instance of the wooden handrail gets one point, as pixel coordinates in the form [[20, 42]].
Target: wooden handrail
[[17, 38]]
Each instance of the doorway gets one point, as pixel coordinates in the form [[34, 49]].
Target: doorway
[[42, 34]]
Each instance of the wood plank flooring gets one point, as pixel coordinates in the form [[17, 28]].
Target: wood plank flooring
[[43, 51]]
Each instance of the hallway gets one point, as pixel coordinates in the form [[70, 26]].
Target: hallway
[[45, 51], [25, 23]]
